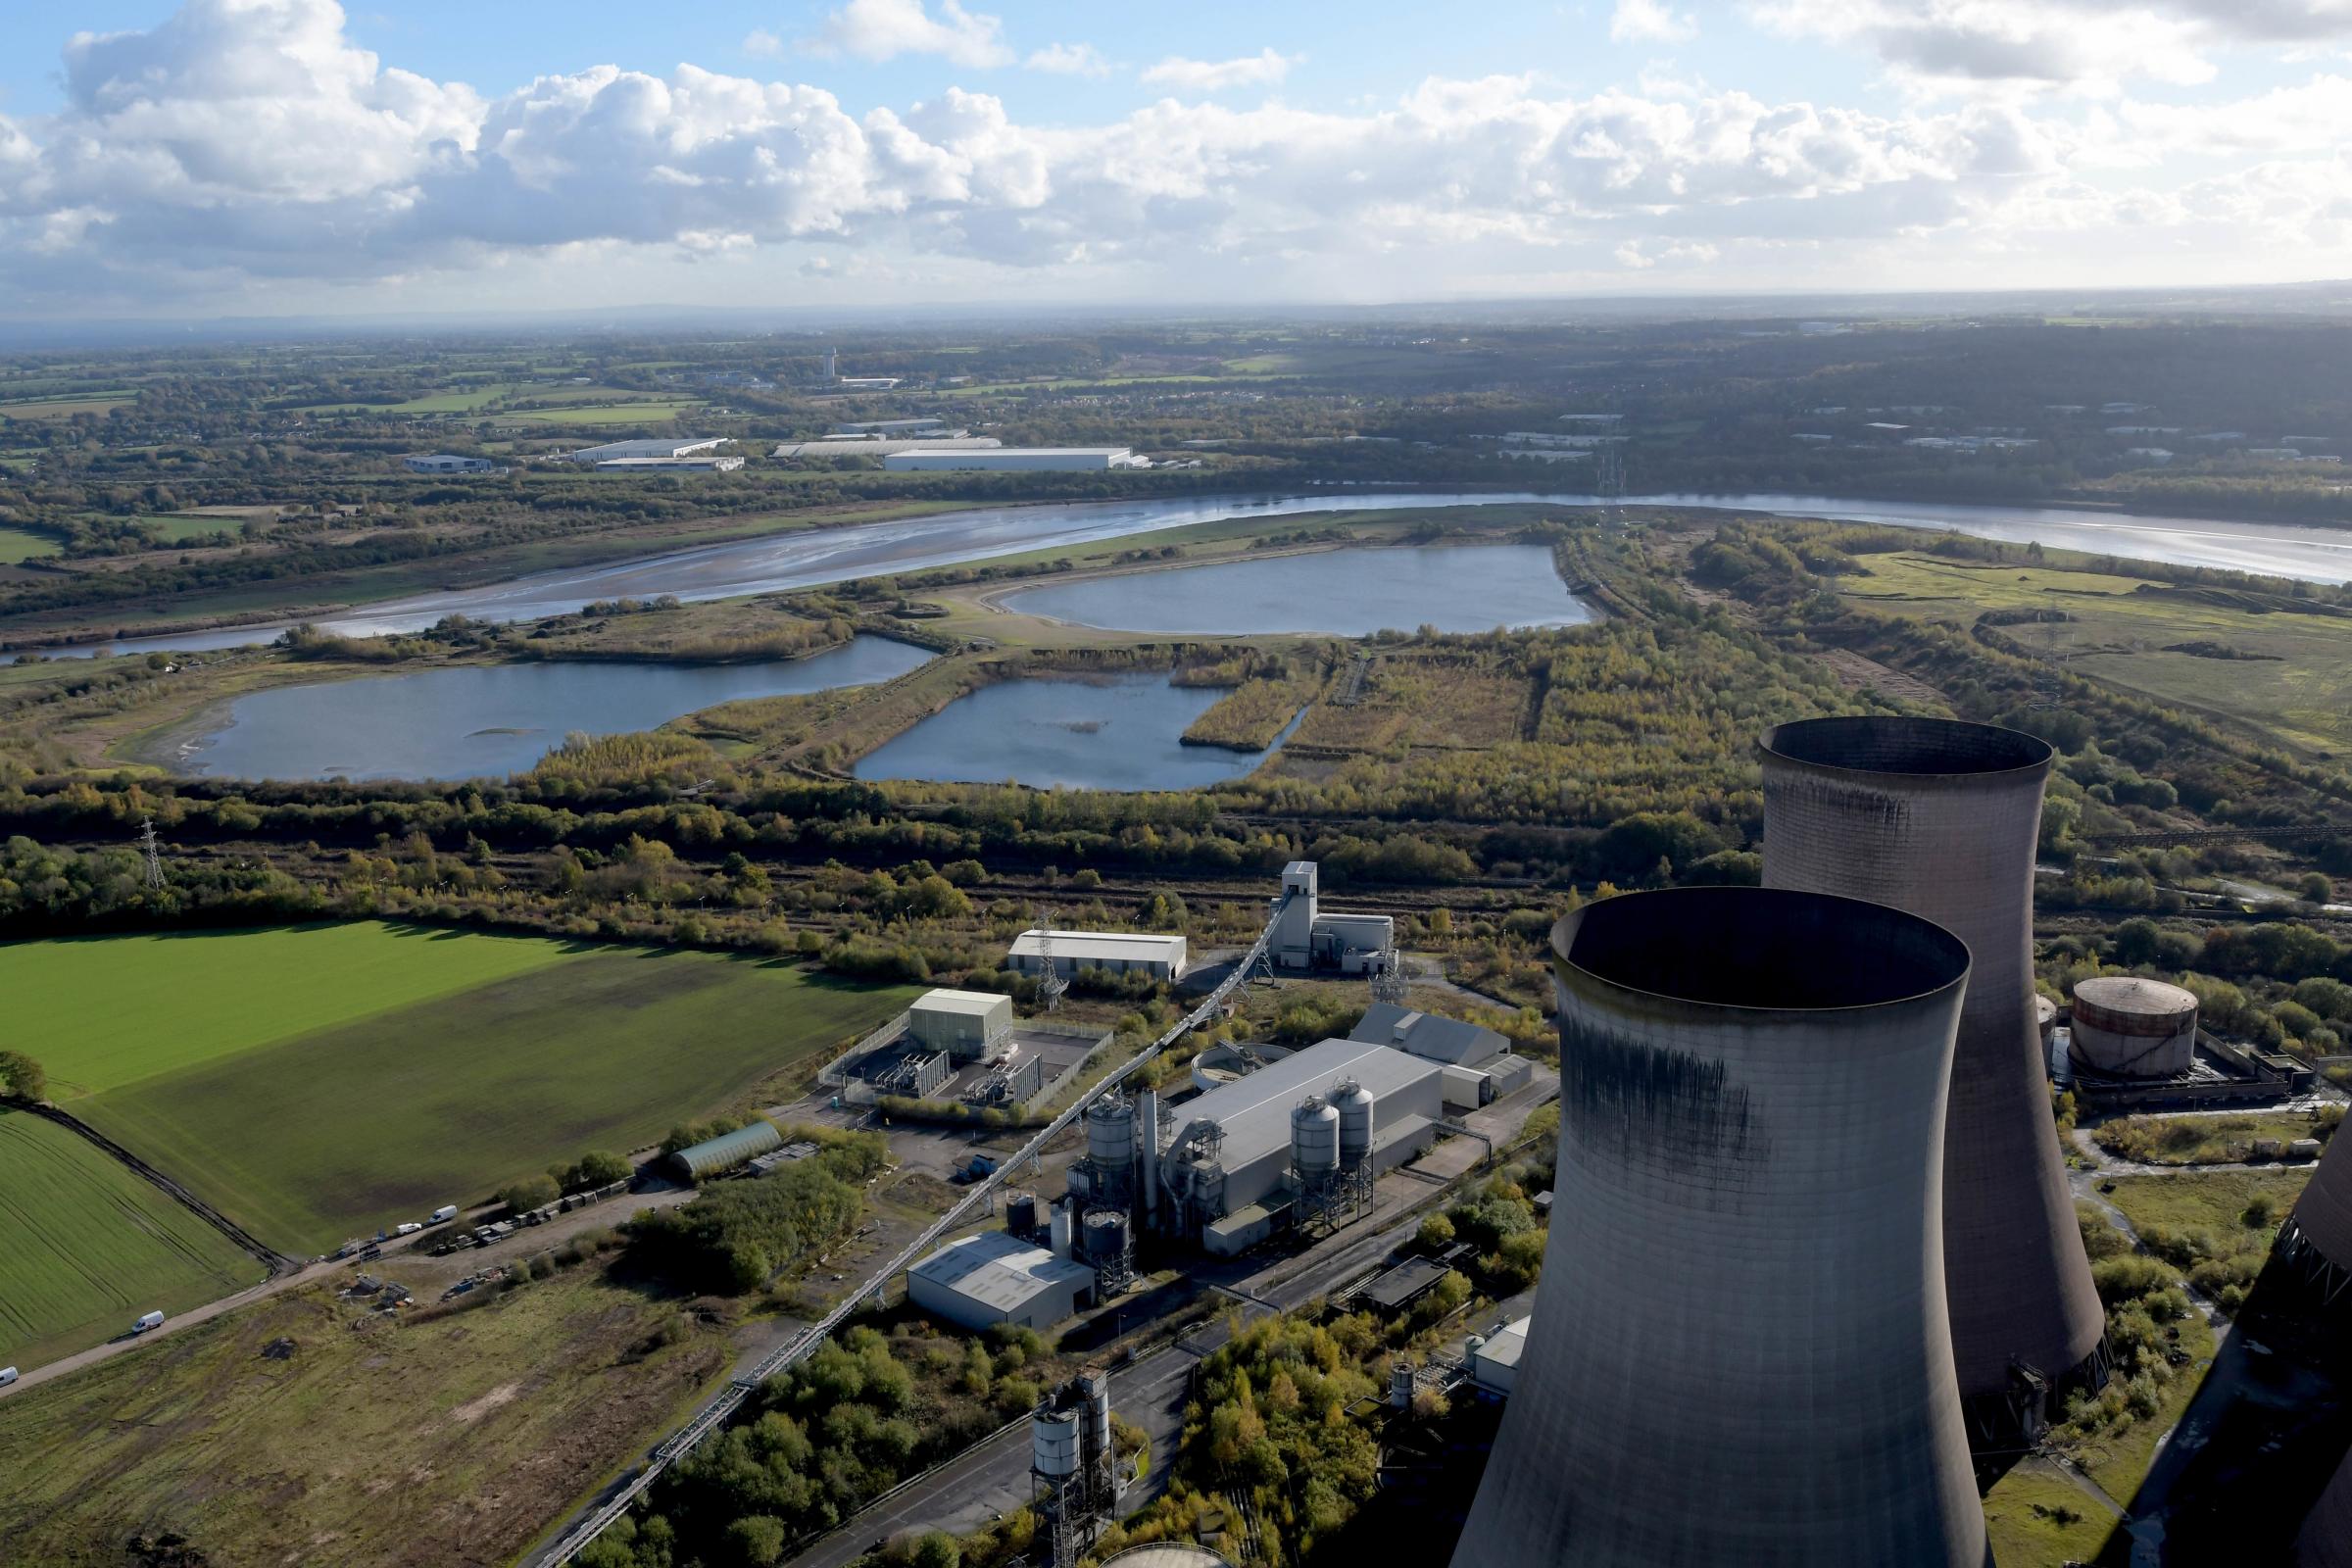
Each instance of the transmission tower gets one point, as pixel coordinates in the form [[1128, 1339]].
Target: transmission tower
[[2049, 670], [1388, 978], [153, 848], [1608, 468], [1051, 984]]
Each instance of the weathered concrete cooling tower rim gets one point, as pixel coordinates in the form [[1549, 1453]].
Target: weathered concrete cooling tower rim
[[2325, 1540], [1924, 751], [1739, 1351], [1939, 816], [1755, 950], [2316, 1242]]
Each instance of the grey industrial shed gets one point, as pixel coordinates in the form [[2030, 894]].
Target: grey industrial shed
[[726, 1152]]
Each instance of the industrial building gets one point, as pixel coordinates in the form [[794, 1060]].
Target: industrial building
[[933, 458], [447, 463], [707, 464], [1494, 1358], [1310, 937], [1065, 952], [889, 428], [1254, 1156], [1739, 1351], [1941, 818], [2123, 1027], [2316, 1242], [965, 1024], [842, 446], [655, 447], [716, 1156], [997, 1277], [1474, 1063]]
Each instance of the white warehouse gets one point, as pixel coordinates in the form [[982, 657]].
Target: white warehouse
[[929, 458], [965, 1024], [1225, 1177], [659, 447], [998, 1277], [1119, 951], [1311, 936]]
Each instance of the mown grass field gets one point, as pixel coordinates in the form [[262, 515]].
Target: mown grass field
[[604, 414], [318, 1082], [86, 1246], [410, 1445], [21, 543], [2038, 1518], [2298, 683], [102, 1012]]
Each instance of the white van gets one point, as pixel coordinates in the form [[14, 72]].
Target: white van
[[150, 1320], [8, 1375]]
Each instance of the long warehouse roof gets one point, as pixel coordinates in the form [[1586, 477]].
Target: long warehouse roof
[[1000, 1270], [1133, 945], [1254, 1112]]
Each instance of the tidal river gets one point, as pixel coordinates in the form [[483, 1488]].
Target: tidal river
[[807, 559]]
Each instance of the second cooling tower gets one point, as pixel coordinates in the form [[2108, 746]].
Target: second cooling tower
[[1739, 1351], [1941, 819]]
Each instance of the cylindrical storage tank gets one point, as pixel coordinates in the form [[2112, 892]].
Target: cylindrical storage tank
[[1146, 1132], [1110, 1133], [1062, 1231], [2325, 1541], [1314, 1136], [1161, 1554], [2130, 1028], [1093, 1387], [1353, 1102], [2045, 1023], [1748, 1308], [1020, 1213], [1054, 1443], [2315, 1240], [1105, 1235], [1941, 818], [1400, 1385]]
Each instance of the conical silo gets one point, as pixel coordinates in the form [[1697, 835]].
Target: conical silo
[[1739, 1351], [2316, 1242], [1941, 819]]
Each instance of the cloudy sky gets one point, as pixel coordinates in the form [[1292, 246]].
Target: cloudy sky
[[297, 157]]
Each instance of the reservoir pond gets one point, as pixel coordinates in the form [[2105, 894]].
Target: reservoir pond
[[1349, 593], [488, 720], [1120, 732]]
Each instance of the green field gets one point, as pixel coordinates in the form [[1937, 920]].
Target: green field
[[61, 408], [21, 543], [320, 1082], [604, 414], [86, 1246], [102, 1012], [2038, 1518]]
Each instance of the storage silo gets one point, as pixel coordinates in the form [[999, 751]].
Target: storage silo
[[2125, 1027], [1314, 1136], [1110, 1151], [1356, 1107], [1941, 819], [1105, 1236], [2316, 1242], [1053, 1438], [1739, 1351], [1020, 1215]]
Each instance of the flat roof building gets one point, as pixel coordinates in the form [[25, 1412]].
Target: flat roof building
[[699, 464], [1119, 951], [1494, 1363], [652, 447], [886, 427], [832, 447], [930, 459], [997, 1278], [1426, 1035], [965, 1024], [447, 463]]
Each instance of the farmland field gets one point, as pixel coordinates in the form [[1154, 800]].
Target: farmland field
[[86, 1246], [379, 1072], [21, 543], [604, 414]]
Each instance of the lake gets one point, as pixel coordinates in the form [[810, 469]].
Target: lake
[[809, 557], [488, 720], [1347, 592], [1117, 733]]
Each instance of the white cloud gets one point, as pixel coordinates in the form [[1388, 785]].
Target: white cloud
[[762, 44], [1650, 21], [186, 159], [884, 30], [1264, 69], [1069, 60], [2047, 43]]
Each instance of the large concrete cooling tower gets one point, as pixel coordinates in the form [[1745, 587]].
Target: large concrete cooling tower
[[2316, 1242], [1739, 1351], [1941, 819], [2325, 1541]]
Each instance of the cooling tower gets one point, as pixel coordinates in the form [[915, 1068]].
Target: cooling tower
[[1941, 818], [2326, 1538], [2316, 1242], [1738, 1352]]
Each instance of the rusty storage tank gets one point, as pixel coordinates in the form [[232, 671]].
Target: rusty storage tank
[[1941, 818], [2130, 1028], [1739, 1351], [2325, 1541], [2316, 1242]]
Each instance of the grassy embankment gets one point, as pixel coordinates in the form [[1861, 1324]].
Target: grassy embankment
[[383, 1071], [408, 1444], [2200, 1140], [86, 1246], [2292, 673]]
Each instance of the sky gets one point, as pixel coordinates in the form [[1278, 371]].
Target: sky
[[297, 157]]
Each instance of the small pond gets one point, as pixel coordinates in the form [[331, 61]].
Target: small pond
[[1347, 592], [488, 720], [1121, 732]]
